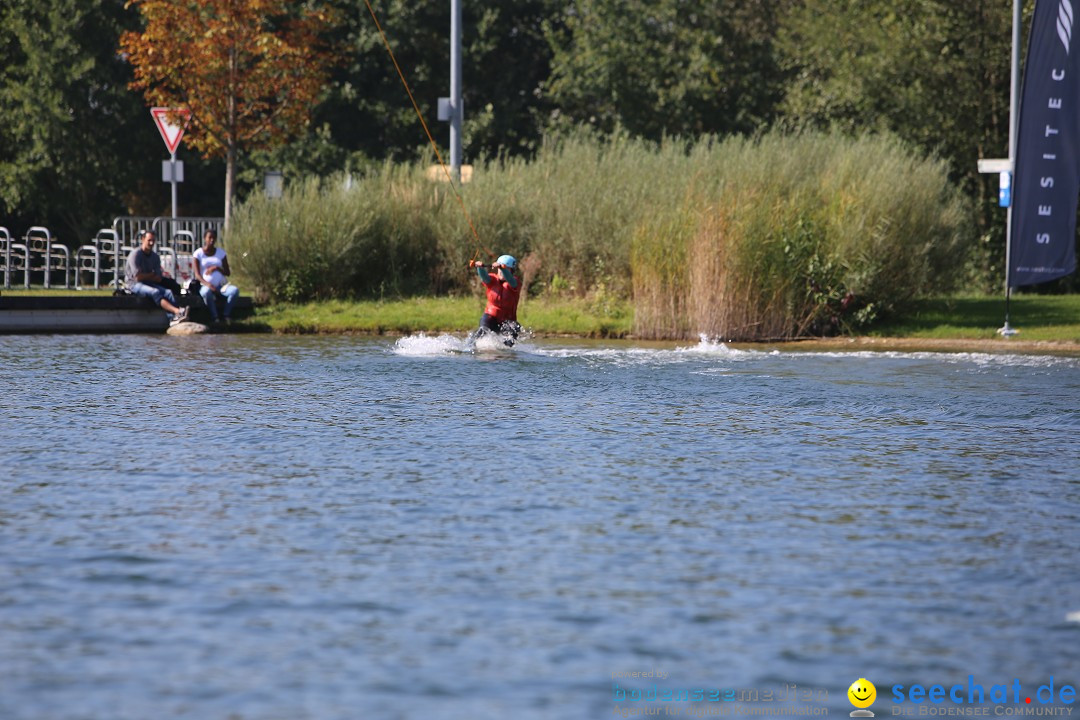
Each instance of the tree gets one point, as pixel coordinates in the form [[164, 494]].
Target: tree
[[248, 70], [935, 72], [505, 60], [69, 124], [675, 67]]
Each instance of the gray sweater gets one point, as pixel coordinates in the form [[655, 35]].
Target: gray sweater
[[140, 262]]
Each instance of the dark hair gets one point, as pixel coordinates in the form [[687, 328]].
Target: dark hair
[[211, 232]]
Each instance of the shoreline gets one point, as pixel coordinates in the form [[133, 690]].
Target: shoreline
[[938, 345], [942, 325]]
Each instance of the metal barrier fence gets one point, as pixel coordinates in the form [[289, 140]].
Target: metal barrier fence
[[11, 252], [196, 227], [41, 256], [37, 253], [54, 257], [101, 256], [128, 227]]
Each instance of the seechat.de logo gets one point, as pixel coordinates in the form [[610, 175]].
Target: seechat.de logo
[[862, 694]]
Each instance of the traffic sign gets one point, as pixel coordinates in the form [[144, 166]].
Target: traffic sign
[[170, 133], [172, 171]]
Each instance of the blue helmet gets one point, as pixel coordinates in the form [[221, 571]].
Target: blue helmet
[[508, 261]]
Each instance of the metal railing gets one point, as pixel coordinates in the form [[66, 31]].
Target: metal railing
[[196, 227], [41, 257], [128, 227], [11, 250], [40, 243], [95, 258]]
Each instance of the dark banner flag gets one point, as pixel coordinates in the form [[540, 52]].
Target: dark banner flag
[[1047, 174]]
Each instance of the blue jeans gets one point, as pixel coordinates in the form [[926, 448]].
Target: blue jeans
[[229, 292], [157, 293]]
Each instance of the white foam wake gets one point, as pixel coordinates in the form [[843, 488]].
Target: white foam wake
[[422, 345], [708, 346]]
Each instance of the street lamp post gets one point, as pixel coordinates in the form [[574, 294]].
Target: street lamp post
[[451, 108], [456, 110]]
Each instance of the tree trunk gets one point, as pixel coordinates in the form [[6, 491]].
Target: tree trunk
[[231, 139], [230, 181]]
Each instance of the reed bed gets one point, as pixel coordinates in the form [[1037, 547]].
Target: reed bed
[[775, 236]]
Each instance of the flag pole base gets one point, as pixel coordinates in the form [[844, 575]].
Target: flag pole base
[[1007, 331]]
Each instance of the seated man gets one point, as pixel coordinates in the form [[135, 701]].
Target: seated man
[[211, 270], [143, 276]]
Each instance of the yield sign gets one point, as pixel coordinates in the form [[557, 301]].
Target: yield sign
[[170, 133]]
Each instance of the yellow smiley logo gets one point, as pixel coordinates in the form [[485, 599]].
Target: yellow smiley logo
[[862, 693]]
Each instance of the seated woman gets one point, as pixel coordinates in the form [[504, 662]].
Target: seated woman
[[211, 270]]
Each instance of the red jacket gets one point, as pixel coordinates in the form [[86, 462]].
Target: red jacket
[[502, 298]]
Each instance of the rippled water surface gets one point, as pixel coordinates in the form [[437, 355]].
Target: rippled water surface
[[331, 527]]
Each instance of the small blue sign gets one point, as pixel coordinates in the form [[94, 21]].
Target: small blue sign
[[1005, 189]]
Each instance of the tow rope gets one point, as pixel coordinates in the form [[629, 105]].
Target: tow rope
[[438, 155]]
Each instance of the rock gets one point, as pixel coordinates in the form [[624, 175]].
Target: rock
[[188, 328]]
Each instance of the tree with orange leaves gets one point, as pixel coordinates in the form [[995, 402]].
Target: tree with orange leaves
[[249, 71]]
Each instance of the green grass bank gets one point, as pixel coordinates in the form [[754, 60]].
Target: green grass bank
[[1040, 318], [568, 317]]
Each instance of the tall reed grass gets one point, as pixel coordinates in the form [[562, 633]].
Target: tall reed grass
[[775, 236]]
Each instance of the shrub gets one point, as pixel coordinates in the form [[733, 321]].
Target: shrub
[[745, 238], [812, 234]]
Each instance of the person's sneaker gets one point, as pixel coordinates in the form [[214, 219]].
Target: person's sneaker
[[179, 317]]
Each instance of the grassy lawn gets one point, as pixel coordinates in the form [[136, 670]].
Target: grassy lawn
[[444, 314], [1037, 317]]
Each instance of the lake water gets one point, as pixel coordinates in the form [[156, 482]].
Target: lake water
[[265, 527]]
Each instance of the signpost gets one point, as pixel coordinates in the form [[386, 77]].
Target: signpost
[[1040, 181], [171, 171], [1006, 167]]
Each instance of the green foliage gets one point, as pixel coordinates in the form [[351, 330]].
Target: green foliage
[[504, 63], [934, 72], [68, 125], [774, 237], [804, 234], [710, 66], [77, 148], [340, 237], [658, 258]]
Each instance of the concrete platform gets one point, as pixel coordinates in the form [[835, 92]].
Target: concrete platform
[[69, 314]]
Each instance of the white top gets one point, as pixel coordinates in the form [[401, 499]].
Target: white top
[[210, 266]]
